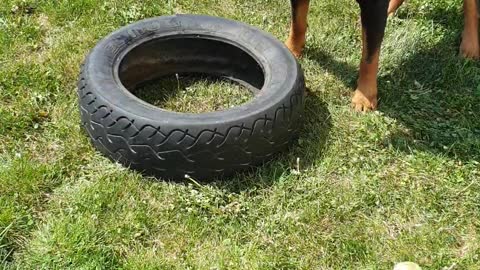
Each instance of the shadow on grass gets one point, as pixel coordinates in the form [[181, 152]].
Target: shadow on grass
[[309, 148], [434, 93]]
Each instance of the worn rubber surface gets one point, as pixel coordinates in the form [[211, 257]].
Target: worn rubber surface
[[169, 144]]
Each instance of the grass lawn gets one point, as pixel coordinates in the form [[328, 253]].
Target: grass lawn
[[194, 94], [373, 189]]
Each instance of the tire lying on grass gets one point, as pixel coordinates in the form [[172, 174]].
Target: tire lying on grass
[[170, 144]]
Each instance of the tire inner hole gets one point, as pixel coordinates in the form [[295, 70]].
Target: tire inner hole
[[191, 74]]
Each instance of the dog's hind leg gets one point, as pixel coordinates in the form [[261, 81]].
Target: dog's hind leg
[[470, 44], [298, 27], [374, 20]]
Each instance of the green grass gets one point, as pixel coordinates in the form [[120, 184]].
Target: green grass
[[193, 94], [373, 189]]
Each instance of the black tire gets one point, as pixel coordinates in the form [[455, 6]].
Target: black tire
[[169, 144]]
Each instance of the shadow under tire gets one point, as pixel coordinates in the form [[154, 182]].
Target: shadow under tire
[[170, 144]]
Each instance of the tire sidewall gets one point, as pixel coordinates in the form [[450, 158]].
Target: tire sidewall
[[274, 114]]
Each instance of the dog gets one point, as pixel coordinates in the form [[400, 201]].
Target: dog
[[374, 14]]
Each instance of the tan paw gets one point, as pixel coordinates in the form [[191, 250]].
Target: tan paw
[[470, 49], [295, 47], [364, 103]]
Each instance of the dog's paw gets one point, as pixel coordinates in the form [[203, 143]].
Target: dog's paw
[[364, 103], [470, 48], [295, 48]]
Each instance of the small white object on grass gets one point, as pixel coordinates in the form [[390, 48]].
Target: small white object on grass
[[407, 266], [297, 171], [188, 177]]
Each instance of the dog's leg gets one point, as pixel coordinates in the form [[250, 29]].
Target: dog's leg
[[374, 20], [394, 5], [470, 44], [298, 27]]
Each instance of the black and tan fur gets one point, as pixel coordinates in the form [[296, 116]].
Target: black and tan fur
[[374, 14]]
